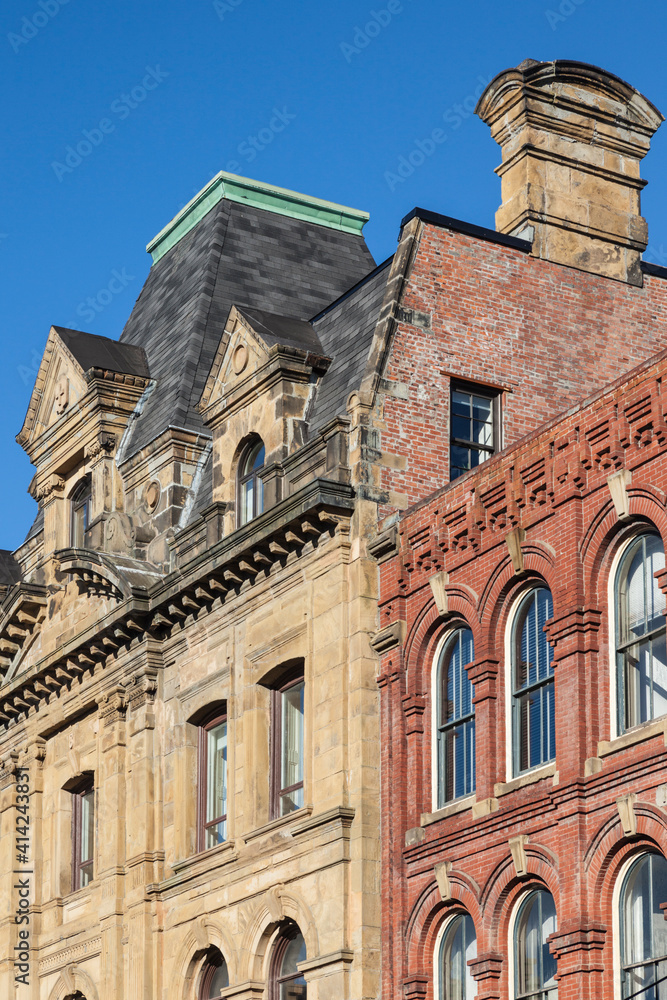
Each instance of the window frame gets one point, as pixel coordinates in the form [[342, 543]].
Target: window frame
[[288, 680], [80, 500], [83, 788], [440, 797], [516, 695], [286, 934], [439, 979], [541, 993], [208, 972], [485, 392], [211, 721], [633, 863], [254, 476], [618, 649]]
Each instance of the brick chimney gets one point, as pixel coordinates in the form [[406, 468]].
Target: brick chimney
[[572, 137]]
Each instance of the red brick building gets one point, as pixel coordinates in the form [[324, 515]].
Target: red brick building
[[523, 681]]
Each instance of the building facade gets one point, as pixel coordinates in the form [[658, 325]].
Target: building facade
[[522, 605], [213, 745]]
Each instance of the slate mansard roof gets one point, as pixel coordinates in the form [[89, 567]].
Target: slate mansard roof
[[236, 253]]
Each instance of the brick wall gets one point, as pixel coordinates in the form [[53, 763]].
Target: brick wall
[[557, 486], [545, 334]]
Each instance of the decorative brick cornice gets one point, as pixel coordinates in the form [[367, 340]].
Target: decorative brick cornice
[[590, 937], [483, 674], [415, 987]]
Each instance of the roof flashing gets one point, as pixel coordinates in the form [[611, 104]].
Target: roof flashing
[[259, 195]]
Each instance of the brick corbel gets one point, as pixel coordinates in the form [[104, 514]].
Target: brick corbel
[[575, 631], [486, 970], [414, 706], [570, 940], [415, 987], [484, 675]]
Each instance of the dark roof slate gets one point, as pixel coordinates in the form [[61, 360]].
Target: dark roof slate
[[236, 254], [10, 571], [93, 351], [282, 330], [346, 331]]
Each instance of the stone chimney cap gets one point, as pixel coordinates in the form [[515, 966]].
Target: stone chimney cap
[[606, 95]]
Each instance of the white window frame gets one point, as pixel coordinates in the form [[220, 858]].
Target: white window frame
[[455, 626], [616, 919], [643, 528], [446, 924], [509, 694]]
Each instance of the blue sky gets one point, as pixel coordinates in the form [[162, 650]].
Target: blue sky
[[184, 89]]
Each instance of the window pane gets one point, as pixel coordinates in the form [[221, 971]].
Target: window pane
[[456, 756], [216, 783], [248, 500], [87, 837], [292, 747], [644, 939], [219, 982], [536, 967], [461, 428], [461, 404], [77, 527], [459, 947], [460, 460]]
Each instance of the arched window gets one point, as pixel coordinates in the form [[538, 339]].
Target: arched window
[[214, 977], [533, 721], [456, 718], [457, 948], [213, 780], [251, 487], [643, 927], [641, 663], [287, 983], [534, 965], [80, 501]]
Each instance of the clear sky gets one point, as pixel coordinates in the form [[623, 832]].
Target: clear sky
[[321, 97]]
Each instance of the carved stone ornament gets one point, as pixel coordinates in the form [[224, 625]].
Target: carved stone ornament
[[54, 484], [152, 495], [104, 442], [61, 397], [240, 359], [112, 706]]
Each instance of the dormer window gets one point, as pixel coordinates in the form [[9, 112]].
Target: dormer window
[[251, 487], [81, 503]]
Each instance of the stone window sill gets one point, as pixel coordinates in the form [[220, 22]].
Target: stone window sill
[[646, 731], [451, 809], [277, 824], [212, 854], [546, 771]]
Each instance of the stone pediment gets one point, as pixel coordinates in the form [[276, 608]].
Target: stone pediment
[[72, 360], [255, 347]]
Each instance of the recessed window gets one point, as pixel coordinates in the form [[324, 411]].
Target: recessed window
[[83, 834], [474, 427], [534, 965], [80, 501], [456, 718], [458, 947], [287, 983], [641, 661], [250, 485], [534, 731], [287, 714], [643, 928], [213, 782], [215, 977]]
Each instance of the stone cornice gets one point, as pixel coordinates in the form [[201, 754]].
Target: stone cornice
[[239, 561]]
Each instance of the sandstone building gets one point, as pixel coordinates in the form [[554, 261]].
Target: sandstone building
[[217, 773]]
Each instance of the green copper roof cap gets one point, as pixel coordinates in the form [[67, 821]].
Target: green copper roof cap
[[259, 195]]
